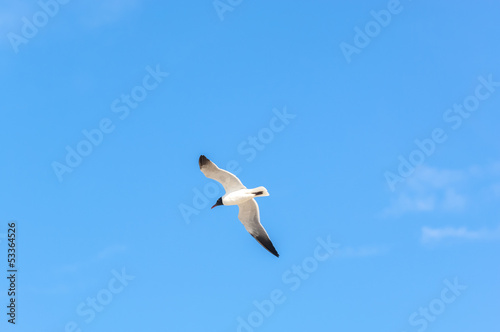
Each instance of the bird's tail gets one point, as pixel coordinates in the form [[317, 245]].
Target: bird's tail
[[260, 191]]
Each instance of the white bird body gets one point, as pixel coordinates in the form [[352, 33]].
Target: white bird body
[[242, 195], [238, 194]]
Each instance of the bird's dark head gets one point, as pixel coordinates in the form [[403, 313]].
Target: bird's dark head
[[219, 202]]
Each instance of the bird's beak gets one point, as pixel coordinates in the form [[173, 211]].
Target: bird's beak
[[213, 206]]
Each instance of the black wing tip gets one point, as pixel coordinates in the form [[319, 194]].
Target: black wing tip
[[274, 252], [203, 160], [266, 243]]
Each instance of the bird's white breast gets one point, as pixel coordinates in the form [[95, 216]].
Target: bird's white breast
[[237, 197]]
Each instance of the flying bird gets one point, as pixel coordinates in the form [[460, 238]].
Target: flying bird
[[238, 194]]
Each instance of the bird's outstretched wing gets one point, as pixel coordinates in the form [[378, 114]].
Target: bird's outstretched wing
[[229, 181], [249, 217]]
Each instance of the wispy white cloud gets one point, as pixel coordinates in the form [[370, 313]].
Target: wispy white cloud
[[432, 189], [429, 189], [434, 235], [453, 201], [429, 177], [407, 202]]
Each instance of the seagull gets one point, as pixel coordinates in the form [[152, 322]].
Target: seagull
[[238, 194]]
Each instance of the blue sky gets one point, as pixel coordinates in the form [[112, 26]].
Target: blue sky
[[374, 126]]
